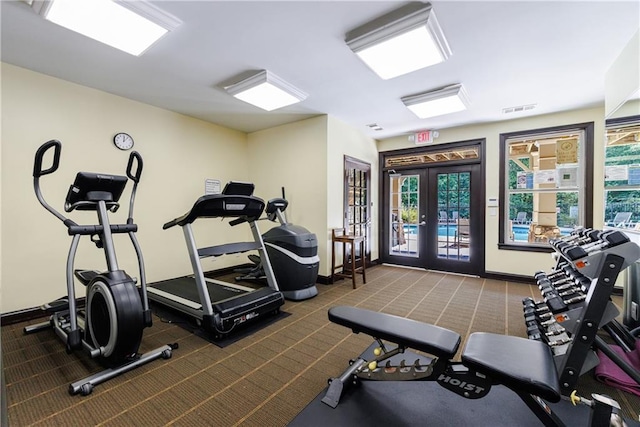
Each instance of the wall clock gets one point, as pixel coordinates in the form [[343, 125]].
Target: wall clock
[[123, 141]]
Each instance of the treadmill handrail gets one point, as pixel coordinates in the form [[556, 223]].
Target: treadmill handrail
[[228, 249], [221, 206]]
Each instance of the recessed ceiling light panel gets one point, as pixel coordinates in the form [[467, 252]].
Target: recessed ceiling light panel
[[400, 42], [129, 26], [267, 91], [439, 102]]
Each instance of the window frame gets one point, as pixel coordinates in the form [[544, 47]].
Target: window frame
[[586, 172], [615, 123]]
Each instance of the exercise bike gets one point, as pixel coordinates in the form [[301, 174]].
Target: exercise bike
[[116, 311]]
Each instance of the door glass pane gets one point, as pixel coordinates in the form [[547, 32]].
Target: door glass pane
[[403, 215], [454, 233]]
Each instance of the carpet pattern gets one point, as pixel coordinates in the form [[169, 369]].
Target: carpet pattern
[[265, 379]]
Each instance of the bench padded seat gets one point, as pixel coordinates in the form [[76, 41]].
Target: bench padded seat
[[521, 364], [409, 333]]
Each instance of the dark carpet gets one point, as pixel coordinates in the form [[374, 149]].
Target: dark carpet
[[269, 377]]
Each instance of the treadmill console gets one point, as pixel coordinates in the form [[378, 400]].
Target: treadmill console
[[237, 188]]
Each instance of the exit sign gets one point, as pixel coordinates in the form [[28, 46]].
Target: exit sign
[[424, 137]]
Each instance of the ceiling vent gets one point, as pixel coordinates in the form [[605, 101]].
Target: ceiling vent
[[518, 109], [374, 126]]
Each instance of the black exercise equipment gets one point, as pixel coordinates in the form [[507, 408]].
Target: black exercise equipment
[[526, 367], [578, 293], [220, 307], [293, 253], [116, 310], [606, 239]]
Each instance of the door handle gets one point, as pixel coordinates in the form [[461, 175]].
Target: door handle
[[423, 223]]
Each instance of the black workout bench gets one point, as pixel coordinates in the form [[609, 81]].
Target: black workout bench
[[524, 366]]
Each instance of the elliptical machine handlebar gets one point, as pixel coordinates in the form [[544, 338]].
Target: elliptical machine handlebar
[[135, 178], [37, 166], [38, 172]]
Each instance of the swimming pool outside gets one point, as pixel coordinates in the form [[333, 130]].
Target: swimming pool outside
[[520, 232]]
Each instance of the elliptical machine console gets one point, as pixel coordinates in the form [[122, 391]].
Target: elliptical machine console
[[116, 312]]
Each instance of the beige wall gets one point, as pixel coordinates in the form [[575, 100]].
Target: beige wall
[[293, 156], [307, 158], [507, 261], [622, 79], [179, 153], [342, 141]]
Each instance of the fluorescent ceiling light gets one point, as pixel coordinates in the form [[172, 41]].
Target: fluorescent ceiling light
[[130, 26], [438, 102], [401, 41], [267, 91]]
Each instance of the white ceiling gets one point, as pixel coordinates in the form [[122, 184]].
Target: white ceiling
[[506, 53]]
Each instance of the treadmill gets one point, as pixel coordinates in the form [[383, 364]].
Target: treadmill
[[220, 307]]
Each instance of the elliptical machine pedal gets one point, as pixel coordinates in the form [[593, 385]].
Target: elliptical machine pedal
[[116, 311]]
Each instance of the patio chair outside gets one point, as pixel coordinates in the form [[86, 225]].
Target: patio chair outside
[[462, 233], [521, 218], [443, 217], [622, 219]]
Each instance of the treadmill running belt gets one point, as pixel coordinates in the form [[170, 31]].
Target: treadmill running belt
[[185, 287]]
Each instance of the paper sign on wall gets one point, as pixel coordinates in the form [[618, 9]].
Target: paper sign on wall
[[616, 173], [567, 177], [212, 186]]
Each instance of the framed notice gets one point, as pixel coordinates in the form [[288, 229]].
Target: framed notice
[[567, 151]]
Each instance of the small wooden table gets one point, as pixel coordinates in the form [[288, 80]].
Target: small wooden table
[[339, 236]]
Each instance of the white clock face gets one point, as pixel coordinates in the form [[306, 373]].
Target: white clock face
[[123, 141]]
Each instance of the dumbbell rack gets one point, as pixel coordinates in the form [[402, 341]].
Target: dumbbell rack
[[571, 328]]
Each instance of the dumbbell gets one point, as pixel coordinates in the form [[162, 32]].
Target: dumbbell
[[527, 311], [586, 237], [559, 342], [577, 279], [569, 273], [579, 237], [608, 239], [569, 292], [558, 271], [538, 317], [530, 304]]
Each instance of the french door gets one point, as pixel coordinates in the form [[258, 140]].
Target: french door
[[357, 213], [435, 218]]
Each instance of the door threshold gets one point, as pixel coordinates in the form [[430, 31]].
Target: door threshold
[[475, 276], [408, 267]]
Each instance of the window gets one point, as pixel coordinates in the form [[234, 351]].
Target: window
[[622, 173], [546, 184]]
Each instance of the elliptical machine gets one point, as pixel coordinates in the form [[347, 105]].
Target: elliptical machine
[[116, 311], [293, 253]]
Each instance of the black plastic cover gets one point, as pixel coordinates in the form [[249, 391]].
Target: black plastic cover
[[221, 206]]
